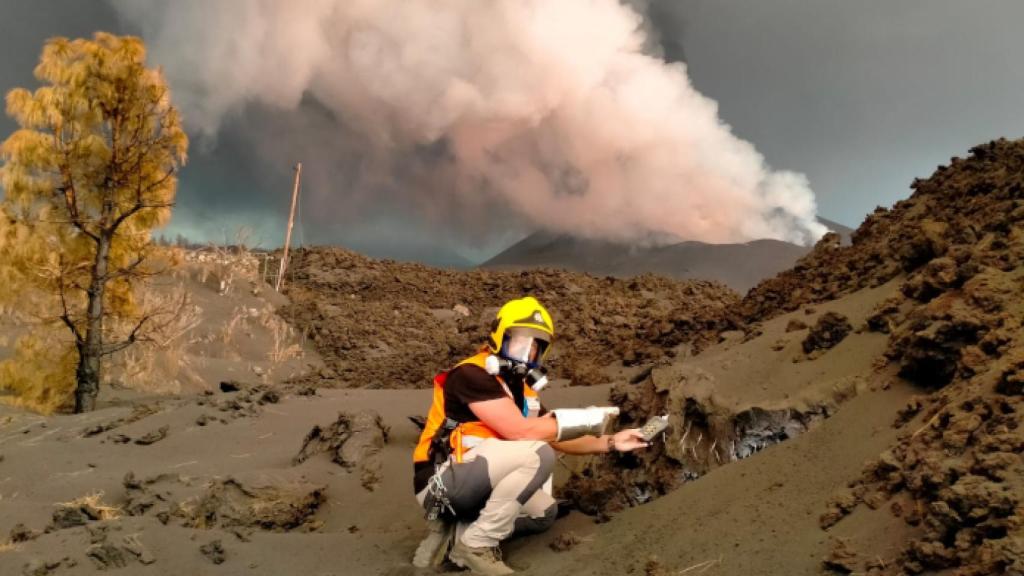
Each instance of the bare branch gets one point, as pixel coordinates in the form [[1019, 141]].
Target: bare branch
[[127, 270], [135, 143], [71, 204], [170, 312], [139, 205], [65, 314], [74, 329], [138, 275], [132, 338], [68, 188]]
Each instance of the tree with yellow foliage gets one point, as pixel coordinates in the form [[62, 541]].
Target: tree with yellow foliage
[[88, 175]]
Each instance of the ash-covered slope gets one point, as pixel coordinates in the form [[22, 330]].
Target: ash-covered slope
[[946, 269], [739, 266]]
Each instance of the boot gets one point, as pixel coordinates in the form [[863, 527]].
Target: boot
[[434, 546], [481, 561]]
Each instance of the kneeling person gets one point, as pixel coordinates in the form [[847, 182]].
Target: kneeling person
[[488, 448]]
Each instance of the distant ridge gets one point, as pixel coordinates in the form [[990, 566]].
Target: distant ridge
[[739, 266]]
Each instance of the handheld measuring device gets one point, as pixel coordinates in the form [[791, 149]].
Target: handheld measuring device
[[654, 426]]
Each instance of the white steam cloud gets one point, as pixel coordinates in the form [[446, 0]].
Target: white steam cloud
[[549, 111]]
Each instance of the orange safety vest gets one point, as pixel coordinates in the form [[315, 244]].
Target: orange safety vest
[[437, 417]]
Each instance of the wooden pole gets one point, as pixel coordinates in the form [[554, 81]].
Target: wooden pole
[[288, 234]]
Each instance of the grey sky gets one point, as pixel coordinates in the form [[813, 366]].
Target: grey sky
[[862, 96]]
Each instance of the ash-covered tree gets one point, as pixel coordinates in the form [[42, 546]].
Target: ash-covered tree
[[88, 175]]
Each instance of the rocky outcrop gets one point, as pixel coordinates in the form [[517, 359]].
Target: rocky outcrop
[[966, 217], [829, 330], [384, 324], [353, 442], [955, 330]]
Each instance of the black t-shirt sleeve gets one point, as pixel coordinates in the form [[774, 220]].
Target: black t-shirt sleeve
[[467, 384]]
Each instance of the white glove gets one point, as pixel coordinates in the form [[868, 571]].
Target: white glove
[[577, 422]]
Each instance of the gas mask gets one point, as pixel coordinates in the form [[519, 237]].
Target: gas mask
[[536, 377], [520, 357]]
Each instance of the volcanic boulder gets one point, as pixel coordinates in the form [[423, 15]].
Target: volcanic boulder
[[828, 331], [352, 441]]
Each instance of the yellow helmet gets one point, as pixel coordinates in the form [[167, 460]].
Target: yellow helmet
[[522, 313]]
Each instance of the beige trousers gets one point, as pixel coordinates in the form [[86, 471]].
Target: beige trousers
[[497, 490]]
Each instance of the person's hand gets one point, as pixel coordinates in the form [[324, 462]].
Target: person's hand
[[628, 440]]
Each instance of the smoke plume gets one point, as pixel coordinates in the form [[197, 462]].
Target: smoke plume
[[477, 115]]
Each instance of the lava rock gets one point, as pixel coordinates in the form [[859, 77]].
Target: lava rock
[[21, 533], [796, 324], [830, 329], [214, 552], [153, 437]]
